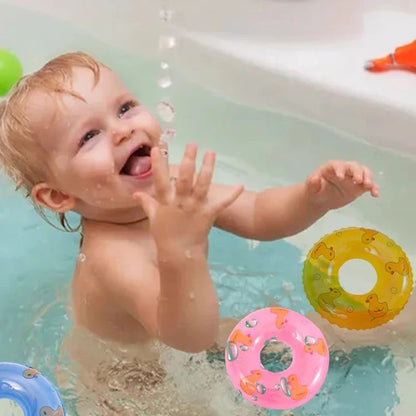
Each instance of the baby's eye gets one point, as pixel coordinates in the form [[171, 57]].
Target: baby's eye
[[88, 137], [126, 107]]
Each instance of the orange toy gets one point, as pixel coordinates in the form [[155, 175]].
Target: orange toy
[[404, 56]]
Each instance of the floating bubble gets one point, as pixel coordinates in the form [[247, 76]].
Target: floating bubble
[[166, 111]]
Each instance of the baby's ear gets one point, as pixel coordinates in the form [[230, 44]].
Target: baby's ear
[[51, 198]]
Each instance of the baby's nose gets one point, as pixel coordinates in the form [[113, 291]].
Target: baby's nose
[[121, 135]]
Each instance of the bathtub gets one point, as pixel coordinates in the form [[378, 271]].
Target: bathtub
[[277, 88]]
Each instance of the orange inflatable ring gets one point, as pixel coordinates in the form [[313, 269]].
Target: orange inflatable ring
[[382, 303]]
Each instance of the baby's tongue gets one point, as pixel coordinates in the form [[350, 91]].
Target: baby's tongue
[[137, 165]]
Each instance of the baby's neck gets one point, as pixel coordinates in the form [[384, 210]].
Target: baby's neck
[[114, 216]]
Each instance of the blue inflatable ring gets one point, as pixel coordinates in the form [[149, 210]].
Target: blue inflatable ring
[[35, 394]]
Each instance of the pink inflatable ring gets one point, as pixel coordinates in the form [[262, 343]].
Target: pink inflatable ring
[[287, 389]]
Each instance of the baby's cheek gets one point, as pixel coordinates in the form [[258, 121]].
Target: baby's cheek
[[98, 168], [150, 124]]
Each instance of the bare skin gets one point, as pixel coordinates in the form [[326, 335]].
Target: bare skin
[[145, 273]]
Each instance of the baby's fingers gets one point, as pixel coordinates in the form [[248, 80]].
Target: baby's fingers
[[205, 176], [185, 179], [147, 203], [356, 172], [226, 202], [369, 184], [160, 174]]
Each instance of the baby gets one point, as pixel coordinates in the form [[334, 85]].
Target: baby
[[75, 139]]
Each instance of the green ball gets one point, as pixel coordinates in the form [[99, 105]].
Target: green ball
[[10, 71]]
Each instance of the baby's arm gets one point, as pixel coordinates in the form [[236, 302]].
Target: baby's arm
[[283, 211], [174, 300], [183, 307]]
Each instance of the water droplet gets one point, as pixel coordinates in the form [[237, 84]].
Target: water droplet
[[309, 340], [164, 65], [251, 323], [99, 186], [288, 286], [231, 351], [82, 257], [167, 42], [165, 82], [192, 296], [168, 134], [244, 347], [188, 254], [166, 15], [166, 111], [260, 388]]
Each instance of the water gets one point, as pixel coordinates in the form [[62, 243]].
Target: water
[[167, 42], [34, 314]]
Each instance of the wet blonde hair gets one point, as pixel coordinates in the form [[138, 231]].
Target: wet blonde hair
[[18, 139]]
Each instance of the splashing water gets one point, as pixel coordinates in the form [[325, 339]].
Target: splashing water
[[166, 15], [167, 42], [165, 82], [166, 111], [168, 134]]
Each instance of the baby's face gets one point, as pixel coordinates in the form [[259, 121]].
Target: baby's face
[[98, 149]]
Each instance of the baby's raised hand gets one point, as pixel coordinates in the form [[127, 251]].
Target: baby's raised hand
[[337, 183], [181, 213]]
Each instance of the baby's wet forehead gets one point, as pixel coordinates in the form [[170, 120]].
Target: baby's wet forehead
[[42, 109], [52, 113]]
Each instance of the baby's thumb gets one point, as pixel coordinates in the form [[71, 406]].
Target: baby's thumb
[[146, 202], [314, 183]]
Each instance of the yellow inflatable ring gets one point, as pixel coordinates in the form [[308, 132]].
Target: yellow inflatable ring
[[382, 303]]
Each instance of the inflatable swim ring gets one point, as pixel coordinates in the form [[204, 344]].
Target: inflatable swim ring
[[357, 311], [287, 389], [35, 394], [10, 71]]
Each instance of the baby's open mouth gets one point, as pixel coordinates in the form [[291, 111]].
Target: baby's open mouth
[[139, 163]]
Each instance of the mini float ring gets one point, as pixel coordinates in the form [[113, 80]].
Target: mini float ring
[[287, 389], [35, 394], [357, 311]]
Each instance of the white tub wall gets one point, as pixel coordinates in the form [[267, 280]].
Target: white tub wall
[[308, 20], [301, 57]]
